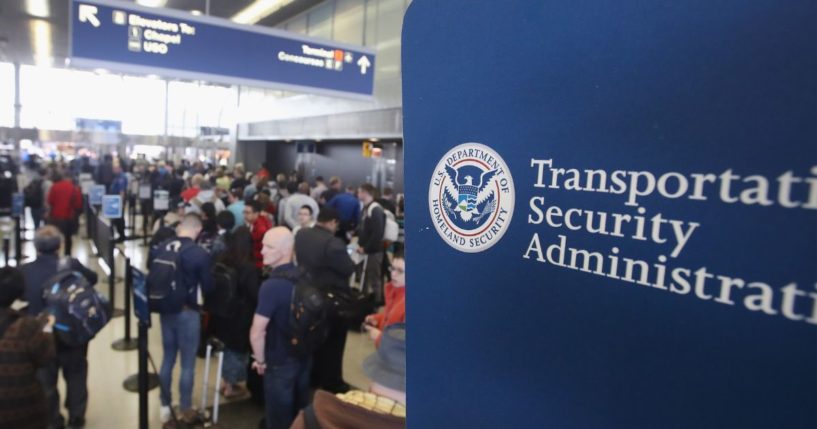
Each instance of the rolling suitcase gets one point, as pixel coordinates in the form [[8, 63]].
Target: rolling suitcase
[[204, 419], [211, 419]]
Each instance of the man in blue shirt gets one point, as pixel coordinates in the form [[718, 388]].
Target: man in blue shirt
[[119, 186], [348, 206], [73, 360], [286, 377], [180, 330]]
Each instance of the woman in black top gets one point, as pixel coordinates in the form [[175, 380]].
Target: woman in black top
[[234, 330]]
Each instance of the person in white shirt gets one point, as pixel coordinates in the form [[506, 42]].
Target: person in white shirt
[[306, 219], [295, 202]]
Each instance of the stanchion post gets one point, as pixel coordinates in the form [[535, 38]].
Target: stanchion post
[[18, 242], [143, 375], [127, 343], [144, 223], [6, 250]]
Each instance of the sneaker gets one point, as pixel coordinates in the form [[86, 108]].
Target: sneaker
[[164, 414]]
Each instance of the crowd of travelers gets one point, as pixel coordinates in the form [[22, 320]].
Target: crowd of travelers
[[252, 251]]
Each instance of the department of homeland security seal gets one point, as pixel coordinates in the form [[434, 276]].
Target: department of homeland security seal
[[471, 197]]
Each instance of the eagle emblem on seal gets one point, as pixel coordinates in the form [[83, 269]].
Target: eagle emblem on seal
[[469, 196]]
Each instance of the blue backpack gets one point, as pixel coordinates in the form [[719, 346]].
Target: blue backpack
[[80, 311], [166, 290]]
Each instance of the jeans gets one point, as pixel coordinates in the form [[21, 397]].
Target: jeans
[[74, 364], [286, 392], [235, 366], [67, 229], [180, 333], [37, 216], [327, 363]]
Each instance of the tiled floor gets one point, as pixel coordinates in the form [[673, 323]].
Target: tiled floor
[[112, 407]]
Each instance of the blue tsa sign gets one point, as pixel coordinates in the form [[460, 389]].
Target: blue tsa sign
[[17, 204], [97, 191], [140, 296], [131, 38], [627, 197], [112, 206]]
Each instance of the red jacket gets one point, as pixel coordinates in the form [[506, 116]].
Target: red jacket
[[190, 193], [395, 309], [65, 200], [258, 229]]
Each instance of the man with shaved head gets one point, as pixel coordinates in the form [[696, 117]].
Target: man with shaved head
[[286, 377]]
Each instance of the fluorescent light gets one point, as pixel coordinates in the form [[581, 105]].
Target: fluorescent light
[[195, 12], [152, 3], [101, 71], [258, 10], [41, 37], [38, 8], [374, 139]]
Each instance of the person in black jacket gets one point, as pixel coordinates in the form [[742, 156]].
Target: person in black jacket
[[72, 360], [234, 331], [324, 256], [370, 240]]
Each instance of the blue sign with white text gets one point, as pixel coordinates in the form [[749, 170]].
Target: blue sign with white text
[[17, 204], [141, 307], [612, 216], [97, 192], [112, 206], [131, 38]]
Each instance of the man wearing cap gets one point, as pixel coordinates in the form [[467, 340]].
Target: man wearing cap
[[383, 407], [72, 360]]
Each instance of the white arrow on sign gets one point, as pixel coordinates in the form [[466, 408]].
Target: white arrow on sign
[[364, 64], [87, 13]]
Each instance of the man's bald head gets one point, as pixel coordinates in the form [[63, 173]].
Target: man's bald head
[[277, 247]]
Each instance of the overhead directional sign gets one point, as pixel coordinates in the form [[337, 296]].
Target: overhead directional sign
[[131, 38]]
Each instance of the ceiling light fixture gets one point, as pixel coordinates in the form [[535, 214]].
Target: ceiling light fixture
[[38, 8], [258, 10], [152, 3], [195, 12], [41, 39]]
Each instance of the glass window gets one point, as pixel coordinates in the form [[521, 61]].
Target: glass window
[[389, 25], [193, 105], [6, 95], [143, 111], [297, 25], [320, 21], [370, 36], [349, 16]]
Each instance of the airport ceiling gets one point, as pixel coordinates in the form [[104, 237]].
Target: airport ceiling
[[36, 31]]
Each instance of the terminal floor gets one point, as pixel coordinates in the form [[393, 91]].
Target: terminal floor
[[112, 407]]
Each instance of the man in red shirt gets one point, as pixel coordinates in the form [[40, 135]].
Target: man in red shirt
[[65, 203], [191, 192], [258, 223]]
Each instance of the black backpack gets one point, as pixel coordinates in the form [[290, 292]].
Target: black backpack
[[163, 234], [309, 313], [80, 311], [33, 194], [221, 302], [166, 289]]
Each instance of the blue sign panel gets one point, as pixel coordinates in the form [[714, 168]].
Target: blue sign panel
[[140, 296], [131, 38], [17, 204], [112, 206], [97, 191], [611, 220], [98, 125]]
